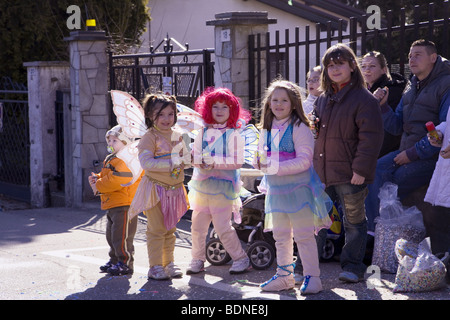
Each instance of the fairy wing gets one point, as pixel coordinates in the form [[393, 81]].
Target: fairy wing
[[129, 155], [130, 116], [251, 136], [129, 113], [188, 121]]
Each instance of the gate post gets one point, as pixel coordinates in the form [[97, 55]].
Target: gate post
[[89, 109], [44, 79], [231, 31]]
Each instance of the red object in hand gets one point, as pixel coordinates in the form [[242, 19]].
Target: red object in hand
[[432, 130]]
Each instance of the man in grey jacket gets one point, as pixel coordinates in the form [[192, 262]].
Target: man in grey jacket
[[426, 98]]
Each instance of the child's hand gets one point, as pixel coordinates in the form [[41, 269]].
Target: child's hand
[[445, 153], [433, 141], [94, 189], [357, 179], [207, 161], [207, 166], [269, 166], [92, 178]]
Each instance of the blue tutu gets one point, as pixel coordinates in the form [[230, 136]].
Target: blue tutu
[[291, 193]]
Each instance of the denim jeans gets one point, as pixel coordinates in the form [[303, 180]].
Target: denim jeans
[[352, 199], [407, 177]]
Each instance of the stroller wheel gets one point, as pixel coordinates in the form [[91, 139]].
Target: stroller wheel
[[328, 250], [261, 255], [216, 253]]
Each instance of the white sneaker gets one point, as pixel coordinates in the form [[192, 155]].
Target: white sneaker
[[279, 283], [157, 273], [282, 280], [195, 266], [173, 271], [311, 285], [240, 265]]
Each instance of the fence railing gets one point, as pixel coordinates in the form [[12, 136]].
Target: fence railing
[[14, 140], [269, 57], [190, 72]]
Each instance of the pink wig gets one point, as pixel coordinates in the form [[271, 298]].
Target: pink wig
[[203, 105]]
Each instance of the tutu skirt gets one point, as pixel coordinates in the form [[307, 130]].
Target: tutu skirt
[[174, 202], [291, 193], [215, 196]]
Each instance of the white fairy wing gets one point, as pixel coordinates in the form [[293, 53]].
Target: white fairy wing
[[251, 136], [188, 121], [129, 113], [129, 155], [183, 108]]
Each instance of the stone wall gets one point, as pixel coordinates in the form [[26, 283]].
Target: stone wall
[[89, 111], [44, 79]]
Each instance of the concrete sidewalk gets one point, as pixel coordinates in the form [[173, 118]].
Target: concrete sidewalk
[[54, 254]]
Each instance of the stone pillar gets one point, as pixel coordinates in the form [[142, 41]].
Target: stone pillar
[[90, 113], [44, 79], [231, 31]]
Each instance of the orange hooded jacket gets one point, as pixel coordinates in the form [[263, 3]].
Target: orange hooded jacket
[[111, 179]]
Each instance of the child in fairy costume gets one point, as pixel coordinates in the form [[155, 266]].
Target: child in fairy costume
[[161, 194], [218, 154], [296, 205]]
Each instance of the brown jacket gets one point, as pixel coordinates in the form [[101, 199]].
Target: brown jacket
[[350, 135]]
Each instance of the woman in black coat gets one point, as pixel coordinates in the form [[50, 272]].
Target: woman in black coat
[[377, 75]]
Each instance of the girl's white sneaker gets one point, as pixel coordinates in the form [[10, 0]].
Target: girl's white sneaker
[[157, 273], [173, 271], [195, 266], [311, 285]]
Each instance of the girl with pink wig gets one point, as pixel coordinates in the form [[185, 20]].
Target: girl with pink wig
[[215, 185]]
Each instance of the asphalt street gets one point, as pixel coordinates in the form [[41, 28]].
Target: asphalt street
[[55, 254]]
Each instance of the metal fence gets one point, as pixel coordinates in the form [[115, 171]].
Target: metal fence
[[14, 140], [269, 57], [184, 74]]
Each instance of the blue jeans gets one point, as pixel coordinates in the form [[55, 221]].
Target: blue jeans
[[407, 177], [352, 199]]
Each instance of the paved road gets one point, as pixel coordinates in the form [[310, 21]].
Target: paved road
[[54, 254]]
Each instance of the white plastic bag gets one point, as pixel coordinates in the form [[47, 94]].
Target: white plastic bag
[[418, 270], [395, 222]]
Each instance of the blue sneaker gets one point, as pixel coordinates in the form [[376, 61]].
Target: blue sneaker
[[311, 285], [351, 277], [106, 266], [120, 269]]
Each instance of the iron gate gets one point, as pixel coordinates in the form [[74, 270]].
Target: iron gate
[[14, 140], [184, 74]]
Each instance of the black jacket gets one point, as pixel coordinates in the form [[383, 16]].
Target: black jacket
[[396, 86]]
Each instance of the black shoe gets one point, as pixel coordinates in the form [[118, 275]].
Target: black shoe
[[119, 269], [105, 267]]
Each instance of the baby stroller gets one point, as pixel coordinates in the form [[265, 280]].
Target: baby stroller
[[331, 244], [260, 246]]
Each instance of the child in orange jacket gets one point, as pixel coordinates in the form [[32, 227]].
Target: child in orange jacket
[[116, 199]]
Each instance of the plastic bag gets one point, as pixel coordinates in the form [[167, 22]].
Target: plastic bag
[[395, 222], [390, 206], [418, 270]]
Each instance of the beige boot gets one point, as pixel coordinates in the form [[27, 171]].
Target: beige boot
[[282, 280], [311, 285]]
